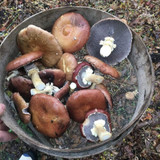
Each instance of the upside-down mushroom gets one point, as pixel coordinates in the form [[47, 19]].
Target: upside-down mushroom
[[72, 31], [49, 115], [83, 76], [97, 126], [110, 40]]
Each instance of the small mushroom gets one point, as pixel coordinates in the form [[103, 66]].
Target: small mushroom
[[67, 64], [83, 76], [49, 115], [102, 67], [72, 31], [110, 40], [82, 101], [55, 76], [22, 85], [22, 108], [26, 62], [33, 38], [97, 126]]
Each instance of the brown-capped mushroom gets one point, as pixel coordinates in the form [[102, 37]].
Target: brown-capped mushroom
[[22, 108], [110, 40], [26, 62], [49, 115], [72, 31], [63, 91], [80, 102], [67, 64], [106, 93], [55, 76], [102, 67], [83, 76], [33, 38], [22, 85], [97, 126]]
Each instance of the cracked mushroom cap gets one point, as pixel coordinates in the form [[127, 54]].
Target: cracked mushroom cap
[[97, 125], [119, 31], [72, 31], [81, 102], [33, 38], [67, 64], [49, 115]]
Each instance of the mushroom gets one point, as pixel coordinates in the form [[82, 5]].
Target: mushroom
[[55, 76], [67, 64], [83, 76], [63, 91], [97, 126], [33, 38], [72, 31], [49, 115], [106, 93], [82, 101], [22, 85], [22, 108], [110, 40], [102, 67], [31, 69]]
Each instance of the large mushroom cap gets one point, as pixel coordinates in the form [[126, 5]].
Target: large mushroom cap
[[72, 31], [80, 102], [33, 38], [116, 29], [49, 115]]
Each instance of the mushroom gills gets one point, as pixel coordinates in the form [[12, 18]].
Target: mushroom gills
[[96, 127]]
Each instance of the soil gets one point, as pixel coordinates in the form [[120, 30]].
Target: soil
[[143, 16]]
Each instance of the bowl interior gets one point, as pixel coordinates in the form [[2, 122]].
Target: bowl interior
[[139, 66]]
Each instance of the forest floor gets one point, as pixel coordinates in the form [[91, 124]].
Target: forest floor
[[143, 16]]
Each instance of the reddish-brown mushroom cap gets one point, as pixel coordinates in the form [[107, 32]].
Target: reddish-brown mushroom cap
[[102, 67], [23, 60], [22, 85], [22, 108], [80, 102], [115, 28], [106, 93], [72, 31], [33, 38], [97, 125], [55, 76], [49, 115], [67, 64]]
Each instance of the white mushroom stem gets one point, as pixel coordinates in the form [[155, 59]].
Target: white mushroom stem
[[108, 46], [89, 77], [49, 89], [72, 86], [100, 131], [37, 82]]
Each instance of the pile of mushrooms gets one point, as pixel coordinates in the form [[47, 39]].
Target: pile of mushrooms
[[51, 86]]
